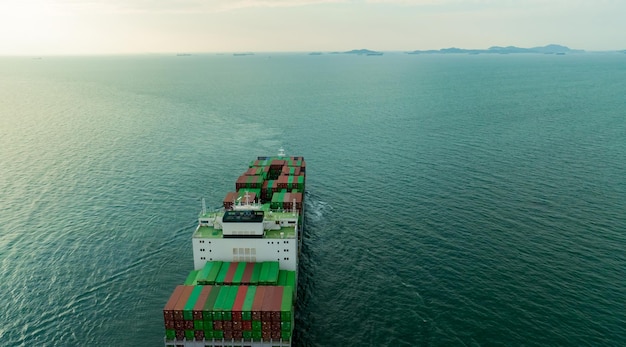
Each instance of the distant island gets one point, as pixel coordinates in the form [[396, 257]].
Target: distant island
[[548, 49], [360, 52]]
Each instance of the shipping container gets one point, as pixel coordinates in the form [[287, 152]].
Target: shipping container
[[229, 303], [199, 306], [237, 277], [191, 302], [272, 275], [256, 273], [246, 309], [221, 276], [218, 308], [286, 306], [180, 304], [168, 310], [266, 308], [257, 305], [203, 275], [191, 278], [247, 273], [230, 273], [207, 310], [237, 309]]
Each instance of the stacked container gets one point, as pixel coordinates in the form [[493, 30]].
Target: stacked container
[[240, 195], [241, 273], [251, 313]]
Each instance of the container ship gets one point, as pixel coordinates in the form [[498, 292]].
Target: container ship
[[243, 287]]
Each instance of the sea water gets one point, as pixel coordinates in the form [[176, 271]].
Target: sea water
[[452, 199]]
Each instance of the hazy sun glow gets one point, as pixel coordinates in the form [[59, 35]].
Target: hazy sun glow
[[39, 27]]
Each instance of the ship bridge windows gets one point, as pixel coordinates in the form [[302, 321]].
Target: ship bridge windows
[[244, 254]]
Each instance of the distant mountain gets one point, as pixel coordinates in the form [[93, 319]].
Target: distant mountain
[[363, 52], [549, 49]]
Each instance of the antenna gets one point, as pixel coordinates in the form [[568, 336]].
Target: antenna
[[203, 207]]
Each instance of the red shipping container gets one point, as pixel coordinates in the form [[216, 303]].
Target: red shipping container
[[198, 307], [239, 299], [246, 325], [257, 305], [188, 324], [180, 304], [277, 301], [168, 310], [266, 326], [275, 326], [227, 325], [231, 272], [180, 334], [268, 303], [199, 334], [247, 273]]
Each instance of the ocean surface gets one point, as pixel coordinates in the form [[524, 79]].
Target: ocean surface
[[453, 200]]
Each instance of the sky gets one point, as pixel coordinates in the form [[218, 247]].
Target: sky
[[58, 27]]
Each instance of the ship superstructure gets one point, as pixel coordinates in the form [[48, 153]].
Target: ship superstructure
[[242, 289]]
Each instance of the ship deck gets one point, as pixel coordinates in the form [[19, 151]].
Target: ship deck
[[207, 232], [286, 232]]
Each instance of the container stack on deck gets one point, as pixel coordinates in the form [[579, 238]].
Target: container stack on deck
[[281, 176], [216, 312], [210, 306]]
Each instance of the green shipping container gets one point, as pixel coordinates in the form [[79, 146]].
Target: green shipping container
[[208, 334], [219, 303], [227, 308], [191, 302], [215, 270], [282, 277], [198, 325], [256, 273], [285, 335], [204, 273], [221, 276], [239, 273], [191, 278], [291, 279], [285, 326], [190, 335], [272, 275], [265, 270], [170, 334], [207, 310], [246, 309], [286, 307]]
